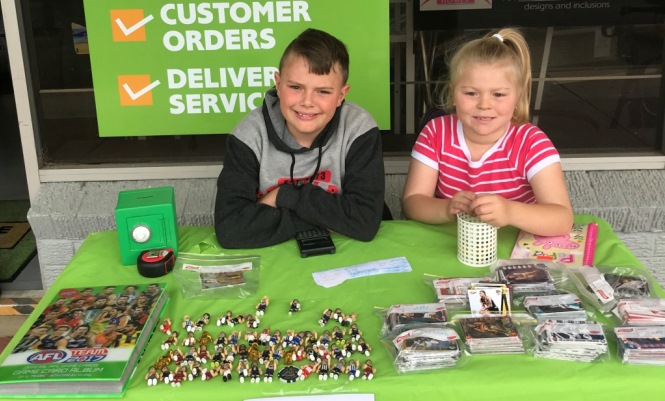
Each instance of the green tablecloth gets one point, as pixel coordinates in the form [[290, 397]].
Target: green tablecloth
[[430, 250]]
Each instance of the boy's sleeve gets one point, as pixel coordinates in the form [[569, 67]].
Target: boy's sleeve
[[357, 211], [241, 222]]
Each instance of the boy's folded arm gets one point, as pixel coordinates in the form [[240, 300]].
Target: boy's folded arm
[[357, 211], [240, 222]]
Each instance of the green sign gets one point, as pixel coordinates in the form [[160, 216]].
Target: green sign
[[199, 67]]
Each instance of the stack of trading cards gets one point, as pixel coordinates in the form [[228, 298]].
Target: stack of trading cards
[[570, 340], [453, 290], [555, 307], [641, 345], [626, 286], [642, 311], [491, 335], [400, 316], [489, 299], [427, 348], [526, 278]]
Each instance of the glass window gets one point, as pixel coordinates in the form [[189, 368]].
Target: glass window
[[597, 85]]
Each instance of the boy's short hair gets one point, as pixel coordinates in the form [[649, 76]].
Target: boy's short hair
[[321, 51]]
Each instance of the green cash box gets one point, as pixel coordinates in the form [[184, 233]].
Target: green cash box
[[146, 219]]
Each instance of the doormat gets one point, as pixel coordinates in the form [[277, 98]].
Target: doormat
[[15, 233], [11, 233]]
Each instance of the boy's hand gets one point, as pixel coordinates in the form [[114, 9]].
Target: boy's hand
[[491, 209], [461, 202], [270, 198]]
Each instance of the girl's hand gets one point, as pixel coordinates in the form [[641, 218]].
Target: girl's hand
[[461, 202], [491, 209]]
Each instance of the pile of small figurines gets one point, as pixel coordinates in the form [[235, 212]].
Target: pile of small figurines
[[259, 356]]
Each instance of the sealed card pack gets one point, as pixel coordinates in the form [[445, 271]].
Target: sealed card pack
[[426, 348], [491, 334], [553, 307], [399, 317]]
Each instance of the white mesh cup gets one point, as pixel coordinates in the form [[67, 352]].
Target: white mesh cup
[[476, 241]]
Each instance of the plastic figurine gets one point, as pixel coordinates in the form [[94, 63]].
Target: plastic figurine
[[363, 347], [217, 358], [324, 340], [151, 376], [209, 374], [275, 338], [288, 337], [164, 360], [264, 337], [262, 305], [234, 337], [252, 321], [368, 370], [307, 370], [189, 340], [349, 319], [271, 366], [172, 340], [242, 352], [165, 327], [203, 320], [178, 356], [235, 320], [167, 375], [221, 340], [338, 369], [266, 355], [251, 337], [355, 332], [179, 376], [195, 370], [348, 347], [338, 315], [352, 368], [255, 373], [187, 324], [338, 335], [337, 353], [253, 353], [224, 319], [226, 371], [242, 371], [203, 355], [324, 369], [205, 338], [294, 306], [327, 313], [289, 355], [190, 356]]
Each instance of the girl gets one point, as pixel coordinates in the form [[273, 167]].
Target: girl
[[485, 159]]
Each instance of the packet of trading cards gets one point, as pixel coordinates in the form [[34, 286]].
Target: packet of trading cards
[[491, 335], [217, 276], [570, 340], [427, 348], [641, 345], [641, 311], [527, 275], [555, 307], [400, 317], [487, 298], [628, 286], [592, 287], [453, 290]]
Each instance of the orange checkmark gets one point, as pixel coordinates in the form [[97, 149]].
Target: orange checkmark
[[136, 90], [129, 25]]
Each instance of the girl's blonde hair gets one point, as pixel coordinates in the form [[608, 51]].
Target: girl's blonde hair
[[505, 46]]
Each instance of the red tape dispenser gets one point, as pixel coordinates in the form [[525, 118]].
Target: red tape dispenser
[[155, 262]]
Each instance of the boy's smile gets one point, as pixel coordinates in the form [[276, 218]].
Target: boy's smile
[[308, 101]]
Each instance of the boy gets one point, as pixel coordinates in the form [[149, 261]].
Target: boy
[[305, 158]]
